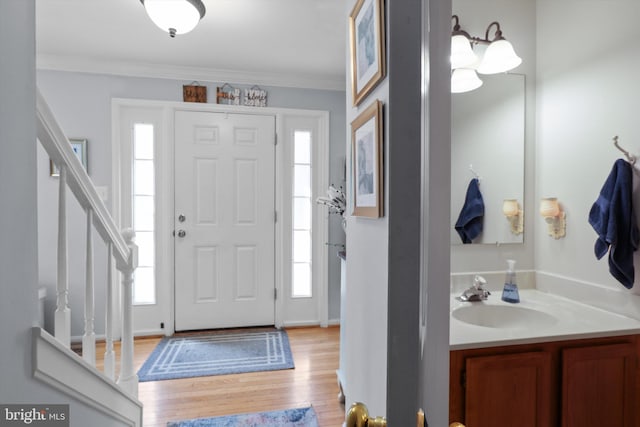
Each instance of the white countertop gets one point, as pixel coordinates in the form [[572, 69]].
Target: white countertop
[[574, 321]]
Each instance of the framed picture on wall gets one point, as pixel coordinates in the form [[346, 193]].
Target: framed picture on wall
[[366, 24], [79, 146], [366, 152]]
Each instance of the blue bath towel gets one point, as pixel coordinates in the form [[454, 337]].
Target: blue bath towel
[[469, 224], [612, 217]]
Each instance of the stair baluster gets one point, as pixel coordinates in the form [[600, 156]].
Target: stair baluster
[[62, 319], [109, 354], [89, 337], [128, 378]]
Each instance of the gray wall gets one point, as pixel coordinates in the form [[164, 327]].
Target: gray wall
[[587, 92], [18, 217], [365, 323], [82, 105]]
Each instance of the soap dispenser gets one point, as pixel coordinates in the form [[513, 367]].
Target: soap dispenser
[[510, 290]]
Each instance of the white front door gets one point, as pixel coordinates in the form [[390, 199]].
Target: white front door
[[224, 220]]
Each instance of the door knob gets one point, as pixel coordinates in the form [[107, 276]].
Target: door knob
[[181, 218], [182, 233], [456, 424], [358, 416]]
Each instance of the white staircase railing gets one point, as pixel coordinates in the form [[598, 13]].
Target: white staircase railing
[[121, 247]]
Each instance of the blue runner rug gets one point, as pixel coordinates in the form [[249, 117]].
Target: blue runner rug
[[302, 417], [217, 354]]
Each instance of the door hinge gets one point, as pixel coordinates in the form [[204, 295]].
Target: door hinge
[[275, 293], [275, 139], [275, 216]]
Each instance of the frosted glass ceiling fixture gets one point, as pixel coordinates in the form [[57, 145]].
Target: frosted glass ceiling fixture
[[175, 16], [499, 56]]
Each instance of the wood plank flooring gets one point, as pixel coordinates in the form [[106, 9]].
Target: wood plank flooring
[[312, 382]]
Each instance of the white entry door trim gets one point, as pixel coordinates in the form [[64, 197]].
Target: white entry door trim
[[165, 188]]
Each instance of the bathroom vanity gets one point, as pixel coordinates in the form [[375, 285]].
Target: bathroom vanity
[[545, 362]]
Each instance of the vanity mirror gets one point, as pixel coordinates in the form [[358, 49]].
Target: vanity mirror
[[487, 141]]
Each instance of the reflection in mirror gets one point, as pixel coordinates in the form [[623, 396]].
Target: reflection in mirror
[[487, 140]]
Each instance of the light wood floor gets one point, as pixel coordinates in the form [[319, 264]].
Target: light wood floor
[[312, 382]]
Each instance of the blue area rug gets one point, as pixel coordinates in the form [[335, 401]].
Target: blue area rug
[[302, 417], [217, 354]]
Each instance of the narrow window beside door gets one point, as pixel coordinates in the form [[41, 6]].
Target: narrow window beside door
[[302, 207], [144, 213]]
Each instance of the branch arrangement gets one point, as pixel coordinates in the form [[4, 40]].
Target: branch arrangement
[[336, 200]]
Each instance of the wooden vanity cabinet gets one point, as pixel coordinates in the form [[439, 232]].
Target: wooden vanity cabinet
[[591, 382], [599, 386]]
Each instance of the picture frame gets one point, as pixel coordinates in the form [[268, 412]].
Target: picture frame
[[79, 146], [367, 32], [367, 162]]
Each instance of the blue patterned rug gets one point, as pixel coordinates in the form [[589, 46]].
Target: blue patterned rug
[[218, 353], [302, 417]]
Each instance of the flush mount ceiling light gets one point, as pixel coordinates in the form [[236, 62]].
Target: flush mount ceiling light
[[175, 16], [498, 57]]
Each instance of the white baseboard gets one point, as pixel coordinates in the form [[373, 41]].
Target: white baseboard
[[64, 370], [334, 322]]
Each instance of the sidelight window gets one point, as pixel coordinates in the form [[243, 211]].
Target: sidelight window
[[143, 214], [301, 283]]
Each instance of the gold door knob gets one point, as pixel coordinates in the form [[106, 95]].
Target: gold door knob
[[456, 424], [358, 416]]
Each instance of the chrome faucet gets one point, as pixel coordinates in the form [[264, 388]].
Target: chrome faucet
[[477, 292]]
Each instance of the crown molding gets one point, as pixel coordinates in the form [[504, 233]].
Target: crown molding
[[173, 72]]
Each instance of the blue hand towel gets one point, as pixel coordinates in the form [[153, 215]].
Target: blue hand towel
[[612, 217], [469, 224]]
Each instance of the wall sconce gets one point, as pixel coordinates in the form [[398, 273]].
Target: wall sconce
[[175, 16], [498, 57], [554, 217], [514, 214]]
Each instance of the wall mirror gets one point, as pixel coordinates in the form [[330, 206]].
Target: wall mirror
[[487, 134]]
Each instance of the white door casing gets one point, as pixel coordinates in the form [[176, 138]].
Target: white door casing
[[159, 318], [225, 206]]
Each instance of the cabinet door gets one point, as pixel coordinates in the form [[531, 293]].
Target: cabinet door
[[506, 390], [598, 386]]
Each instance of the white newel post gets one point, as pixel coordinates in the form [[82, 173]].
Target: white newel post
[[128, 378], [89, 337], [62, 321], [109, 354]]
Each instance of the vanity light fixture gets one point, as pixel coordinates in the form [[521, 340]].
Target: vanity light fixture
[[499, 56], [175, 16], [464, 80], [511, 209], [554, 217]]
